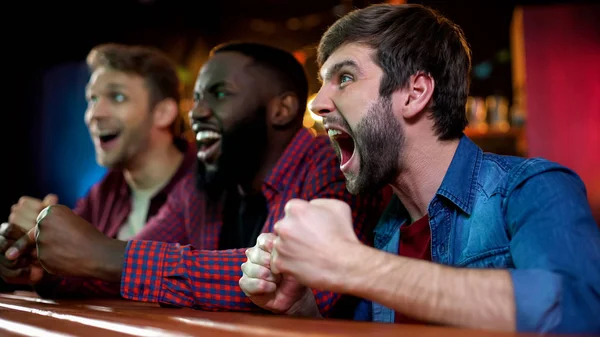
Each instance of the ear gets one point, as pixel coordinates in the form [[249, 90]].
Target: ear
[[419, 92], [165, 112], [283, 109]]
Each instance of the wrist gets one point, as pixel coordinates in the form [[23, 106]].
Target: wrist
[[349, 268], [107, 263], [306, 306]]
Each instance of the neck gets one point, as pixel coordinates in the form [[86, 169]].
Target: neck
[[424, 166], [277, 144], [154, 167]]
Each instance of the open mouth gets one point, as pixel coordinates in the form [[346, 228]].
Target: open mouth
[[209, 145], [107, 138], [345, 144]]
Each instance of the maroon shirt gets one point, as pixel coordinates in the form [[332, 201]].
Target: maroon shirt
[[415, 242], [108, 202]]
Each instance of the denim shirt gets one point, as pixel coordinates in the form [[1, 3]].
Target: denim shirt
[[529, 216]]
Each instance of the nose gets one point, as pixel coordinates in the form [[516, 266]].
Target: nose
[[200, 111], [322, 104]]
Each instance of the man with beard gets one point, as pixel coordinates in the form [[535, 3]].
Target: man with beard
[[470, 239], [254, 156], [139, 135]]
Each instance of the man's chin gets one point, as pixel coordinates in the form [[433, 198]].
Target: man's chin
[[107, 162], [355, 185], [351, 185]]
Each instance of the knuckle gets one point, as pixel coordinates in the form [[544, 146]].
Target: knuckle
[[282, 230], [292, 206], [263, 273], [260, 240], [4, 228], [263, 285]]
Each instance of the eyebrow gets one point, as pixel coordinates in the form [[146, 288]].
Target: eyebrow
[[213, 86], [110, 86], [337, 67]]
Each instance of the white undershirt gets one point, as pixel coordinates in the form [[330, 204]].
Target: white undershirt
[[140, 204]]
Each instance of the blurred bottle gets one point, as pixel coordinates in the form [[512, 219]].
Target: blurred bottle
[[497, 110], [477, 114]]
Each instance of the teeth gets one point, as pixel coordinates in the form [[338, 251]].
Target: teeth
[[205, 135], [333, 133]]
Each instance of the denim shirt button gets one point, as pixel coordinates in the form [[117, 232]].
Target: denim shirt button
[[441, 249]]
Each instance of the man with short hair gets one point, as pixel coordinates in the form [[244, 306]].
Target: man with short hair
[[138, 133], [470, 239], [254, 156]]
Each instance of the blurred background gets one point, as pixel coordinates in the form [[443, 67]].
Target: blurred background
[[535, 84]]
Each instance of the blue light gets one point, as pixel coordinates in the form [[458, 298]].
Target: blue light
[[68, 166]]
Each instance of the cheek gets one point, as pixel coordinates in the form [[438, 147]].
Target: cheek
[[352, 109]]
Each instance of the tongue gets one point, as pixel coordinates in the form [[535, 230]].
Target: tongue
[[346, 148], [207, 143]]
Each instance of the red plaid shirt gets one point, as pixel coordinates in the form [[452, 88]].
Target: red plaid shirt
[[174, 259]]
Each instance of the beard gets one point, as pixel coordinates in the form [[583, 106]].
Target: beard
[[242, 152], [378, 140]]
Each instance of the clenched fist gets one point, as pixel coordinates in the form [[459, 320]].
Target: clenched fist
[[24, 212], [68, 245], [273, 292], [314, 242]]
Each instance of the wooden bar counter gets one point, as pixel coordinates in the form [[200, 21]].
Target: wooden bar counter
[[25, 314]]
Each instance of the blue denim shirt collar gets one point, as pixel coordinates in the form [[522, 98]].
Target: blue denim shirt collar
[[458, 186], [454, 187]]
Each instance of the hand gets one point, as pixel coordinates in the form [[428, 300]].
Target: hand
[[24, 213], [276, 293], [17, 265], [68, 245], [314, 242]]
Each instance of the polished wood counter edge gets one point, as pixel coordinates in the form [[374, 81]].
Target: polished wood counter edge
[[25, 314]]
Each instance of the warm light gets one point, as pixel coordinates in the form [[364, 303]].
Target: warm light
[[29, 330], [139, 331], [186, 104], [313, 115], [300, 56]]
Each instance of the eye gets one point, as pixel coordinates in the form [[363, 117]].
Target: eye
[[345, 79], [118, 97], [220, 94]]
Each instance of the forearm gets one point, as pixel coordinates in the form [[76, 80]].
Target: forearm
[[431, 292]]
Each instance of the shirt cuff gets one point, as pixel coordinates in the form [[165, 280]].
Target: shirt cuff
[[142, 275], [538, 296]]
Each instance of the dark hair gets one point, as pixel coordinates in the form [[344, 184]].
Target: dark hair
[[410, 39], [282, 65], [157, 69]]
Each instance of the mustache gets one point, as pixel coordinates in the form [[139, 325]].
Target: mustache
[[338, 120]]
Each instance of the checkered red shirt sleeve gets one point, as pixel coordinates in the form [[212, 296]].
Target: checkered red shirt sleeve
[[166, 226], [181, 275]]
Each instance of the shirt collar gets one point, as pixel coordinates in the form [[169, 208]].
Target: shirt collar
[[460, 181]]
